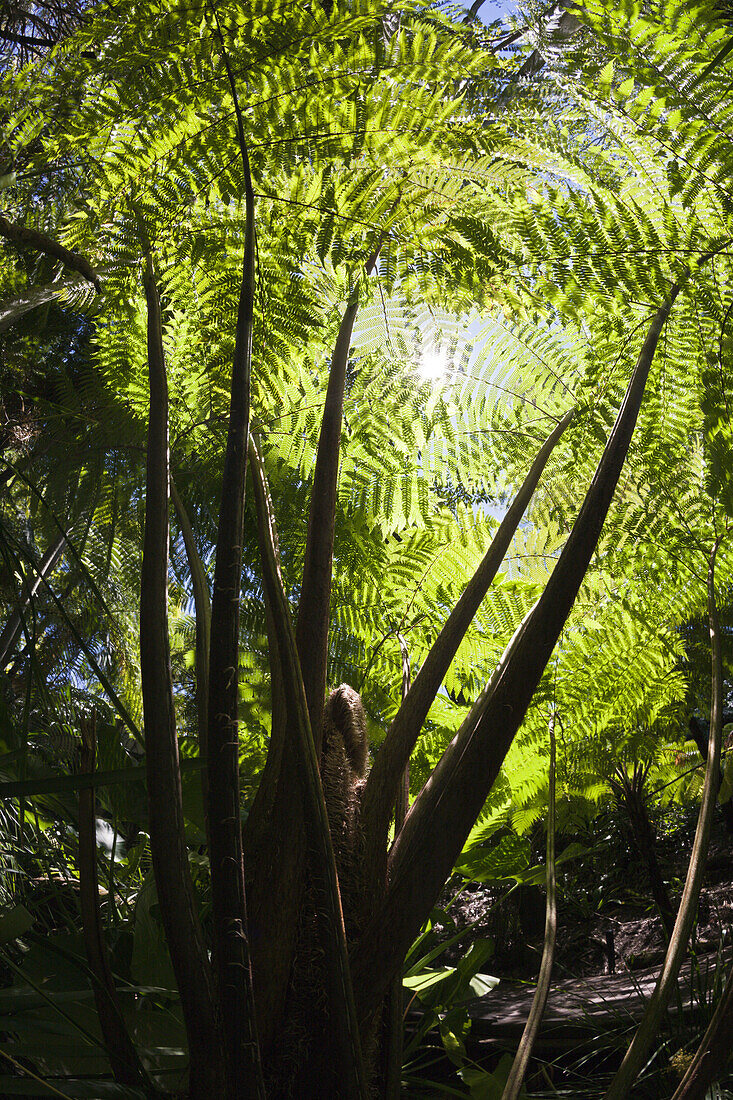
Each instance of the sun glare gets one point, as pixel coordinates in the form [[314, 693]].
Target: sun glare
[[433, 364]]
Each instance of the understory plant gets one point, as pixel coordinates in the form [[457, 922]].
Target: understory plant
[[257, 229]]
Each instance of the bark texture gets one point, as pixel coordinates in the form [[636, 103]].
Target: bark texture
[[221, 787], [165, 802], [338, 1054]]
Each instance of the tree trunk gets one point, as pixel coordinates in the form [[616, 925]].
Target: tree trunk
[[276, 877], [630, 797], [339, 1063], [165, 802], [231, 949]]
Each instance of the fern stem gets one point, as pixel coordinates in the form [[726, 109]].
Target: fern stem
[[342, 1014], [223, 814], [635, 1057], [277, 883], [202, 605], [395, 998], [446, 808], [314, 611], [165, 800], [513, 1087], [381, 788]]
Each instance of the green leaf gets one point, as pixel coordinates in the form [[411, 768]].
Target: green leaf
[[489, 1085], [537, 875], [419, 983], [605, 78]]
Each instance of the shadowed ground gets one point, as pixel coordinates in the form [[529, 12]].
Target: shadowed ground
[[578, 1008]]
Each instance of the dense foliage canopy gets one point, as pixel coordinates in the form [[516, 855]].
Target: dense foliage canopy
[[483, 226]]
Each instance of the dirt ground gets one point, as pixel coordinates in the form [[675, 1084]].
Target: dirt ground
[[515, 923]]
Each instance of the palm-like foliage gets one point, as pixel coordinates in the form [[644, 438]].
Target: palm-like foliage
[[555, 235]]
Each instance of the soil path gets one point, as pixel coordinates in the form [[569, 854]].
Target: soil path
[[579, 1008]]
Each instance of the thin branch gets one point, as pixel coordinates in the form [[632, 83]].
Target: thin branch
[[63, 530], [81, 641], [66, 784], [40, 242], [513, 1087], [276, 894], [13, 627], [25, 39]]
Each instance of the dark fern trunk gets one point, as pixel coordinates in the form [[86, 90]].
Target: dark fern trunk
[[231, 949], [631, 799], [165, 801]]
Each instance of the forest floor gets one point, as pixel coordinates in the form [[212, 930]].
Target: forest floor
[[592, 1013], [583, 986], [515, 922]]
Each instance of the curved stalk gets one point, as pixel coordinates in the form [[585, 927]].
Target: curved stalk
[[513, 1087], [381, 788], [450, 802], [621, 1085], [165, 801], [40, 242]]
